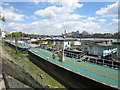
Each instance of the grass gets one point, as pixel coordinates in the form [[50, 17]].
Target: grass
[[22, 60]]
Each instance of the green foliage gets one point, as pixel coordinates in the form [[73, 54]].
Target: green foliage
[[0, 32], [50, 44], [15, 34], [2, 19], [72, 43], [117, 35], [60, 46], [20, 34], [59, 53], [38, 42]]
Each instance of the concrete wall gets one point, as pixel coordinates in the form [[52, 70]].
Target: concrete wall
[[68, 78]]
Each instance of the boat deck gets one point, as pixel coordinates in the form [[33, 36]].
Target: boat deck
[[98, 73], [23, 46]]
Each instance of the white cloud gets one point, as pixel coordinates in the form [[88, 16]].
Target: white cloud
[[56, 19], [115, 22], [6, 4], [61, 13], [66, 3], [55, 27], [110, 10], [102, 20], [50, 27], [57, 13], [50, 12], [10, 14], [31, 17], [91, 18]]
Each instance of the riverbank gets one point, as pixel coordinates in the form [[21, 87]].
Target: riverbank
[[22, 61]]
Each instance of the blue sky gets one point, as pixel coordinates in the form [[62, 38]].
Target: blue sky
[[55, 17]]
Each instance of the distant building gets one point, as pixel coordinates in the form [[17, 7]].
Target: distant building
[[117, 56], [33, 41], [3, 33], [67, 42], [78, 34], [84, 33], [73, 34], [107, 35], [102, 50]]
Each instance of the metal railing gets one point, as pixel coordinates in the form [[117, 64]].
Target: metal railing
[[95, 60], [74, 55], [103, 62]]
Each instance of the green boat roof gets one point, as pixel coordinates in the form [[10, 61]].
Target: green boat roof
[[102, 74]]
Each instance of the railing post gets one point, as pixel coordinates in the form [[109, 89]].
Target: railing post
[[77, 56], [103, 61], [112, 64]]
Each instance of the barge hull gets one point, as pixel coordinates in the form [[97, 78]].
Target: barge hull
[[66, 77]]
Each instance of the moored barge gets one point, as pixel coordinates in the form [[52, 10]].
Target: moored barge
[[73, 74]]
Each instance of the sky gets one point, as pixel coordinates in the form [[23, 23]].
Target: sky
[[52, 17]]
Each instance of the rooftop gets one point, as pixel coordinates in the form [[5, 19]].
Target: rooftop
[[104, 44]]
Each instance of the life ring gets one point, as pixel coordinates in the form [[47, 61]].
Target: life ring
[[53, 56]]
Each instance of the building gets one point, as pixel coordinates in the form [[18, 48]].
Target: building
[[117, 55], [102, 49], [3, 33], [73, 34], [60, 42]]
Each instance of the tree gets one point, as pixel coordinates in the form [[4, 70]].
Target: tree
[[117, 35], [60, 46], [20, 34], [85, 33], [2, 18], [72, 43], [38, 42], [50, 44], [0, 32]]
